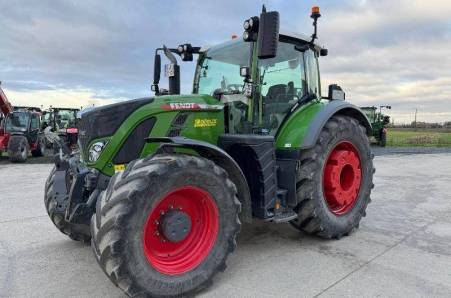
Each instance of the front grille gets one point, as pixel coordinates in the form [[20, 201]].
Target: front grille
[[135, 142], [83, 137]]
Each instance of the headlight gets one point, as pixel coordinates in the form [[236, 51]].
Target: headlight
[[95, 150]]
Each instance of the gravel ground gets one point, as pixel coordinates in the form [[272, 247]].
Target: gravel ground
[[401, 249]]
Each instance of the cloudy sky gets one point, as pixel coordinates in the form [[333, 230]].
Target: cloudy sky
[[73, 53]]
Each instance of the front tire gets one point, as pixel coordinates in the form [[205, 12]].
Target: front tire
[[18, 149], [76, 232], [335, 180], [165, 226]]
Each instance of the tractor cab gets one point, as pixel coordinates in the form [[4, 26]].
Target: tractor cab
[[260, 79], [260, 104], [63, 121]]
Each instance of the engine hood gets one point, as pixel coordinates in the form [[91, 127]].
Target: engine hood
[[104, 121]]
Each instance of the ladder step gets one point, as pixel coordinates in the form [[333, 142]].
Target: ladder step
[[284, 216]]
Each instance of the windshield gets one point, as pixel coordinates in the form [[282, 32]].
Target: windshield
[[65, 119], [220, 68], [370, 114], [17, 121]]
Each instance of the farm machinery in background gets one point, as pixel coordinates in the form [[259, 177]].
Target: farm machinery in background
[[378, 122], [161, 184], [63, 122], [20, 131]]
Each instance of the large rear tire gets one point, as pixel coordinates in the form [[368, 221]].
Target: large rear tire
[[166, 225], [77, 232], [18, 149], [335, 180]]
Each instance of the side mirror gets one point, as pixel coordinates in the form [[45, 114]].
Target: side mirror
[[156, 72], [336, 93], [268, 34]]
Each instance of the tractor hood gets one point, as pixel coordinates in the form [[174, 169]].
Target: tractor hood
[[113, 120], [104, 121]]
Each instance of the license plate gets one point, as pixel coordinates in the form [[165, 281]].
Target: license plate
[[119, 168]]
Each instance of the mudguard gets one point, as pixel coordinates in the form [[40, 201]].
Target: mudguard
[[302, 128], [221, 158], [334, 107]]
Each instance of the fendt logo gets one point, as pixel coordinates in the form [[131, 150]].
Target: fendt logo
[[181, 106], [189, 106]]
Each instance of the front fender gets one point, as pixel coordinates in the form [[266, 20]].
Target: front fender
[[302, 129], [221, 158]]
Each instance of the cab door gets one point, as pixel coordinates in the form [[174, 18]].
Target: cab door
[[284, 83], [34, 129]]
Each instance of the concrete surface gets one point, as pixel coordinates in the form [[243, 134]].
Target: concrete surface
[[402, 248]]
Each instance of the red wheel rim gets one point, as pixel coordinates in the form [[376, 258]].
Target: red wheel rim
[[341, 178], [174, 258]]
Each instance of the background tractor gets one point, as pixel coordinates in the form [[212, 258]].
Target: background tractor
[[20, 132], [163, 183], [63, 121], [378, 122]]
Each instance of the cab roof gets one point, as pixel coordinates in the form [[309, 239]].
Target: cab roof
[[282, 33]]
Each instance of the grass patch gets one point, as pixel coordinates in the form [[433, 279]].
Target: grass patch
[[419, 138]]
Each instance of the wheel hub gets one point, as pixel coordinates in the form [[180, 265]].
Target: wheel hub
[[181, 230], [342, 178], [175, 226]]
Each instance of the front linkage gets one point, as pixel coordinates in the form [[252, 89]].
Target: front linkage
[[71, 191]]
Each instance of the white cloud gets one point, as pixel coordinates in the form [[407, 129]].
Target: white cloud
[[57, 98], [387, 52], [76, 53]]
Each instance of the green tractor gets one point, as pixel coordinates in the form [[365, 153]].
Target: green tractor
[[378, 122], [162, 184]]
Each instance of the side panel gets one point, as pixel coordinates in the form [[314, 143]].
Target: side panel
[[292, 132]]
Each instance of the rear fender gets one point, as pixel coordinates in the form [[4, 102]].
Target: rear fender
[[335, 107], [301, 130], [221, 158]]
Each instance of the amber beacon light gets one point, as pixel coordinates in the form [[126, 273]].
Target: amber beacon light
[[315, 12]]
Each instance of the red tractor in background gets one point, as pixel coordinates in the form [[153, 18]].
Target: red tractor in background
[[63, 121], [5, 109], [20, 131]]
